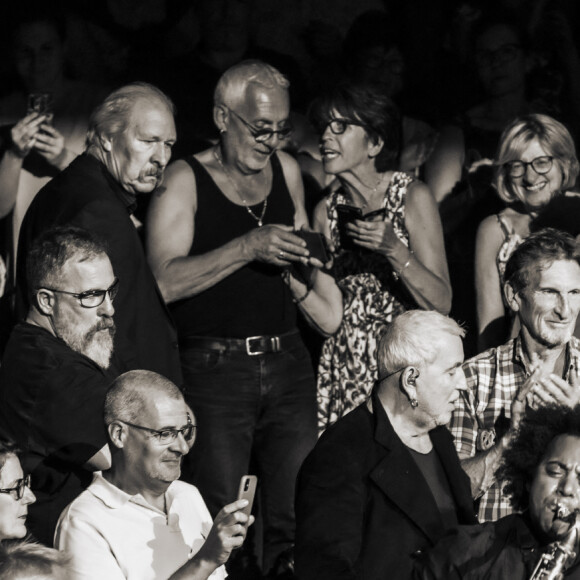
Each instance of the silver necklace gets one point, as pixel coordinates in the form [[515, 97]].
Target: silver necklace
[[260, 219]]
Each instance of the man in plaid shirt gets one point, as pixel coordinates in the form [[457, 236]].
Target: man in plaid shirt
[[539, 366]]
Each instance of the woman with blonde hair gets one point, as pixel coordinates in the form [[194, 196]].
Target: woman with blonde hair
[[535, 163]]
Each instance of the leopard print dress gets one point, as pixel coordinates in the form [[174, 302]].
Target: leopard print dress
[[372, 296]]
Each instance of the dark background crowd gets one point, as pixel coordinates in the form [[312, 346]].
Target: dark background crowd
[[449, 125]]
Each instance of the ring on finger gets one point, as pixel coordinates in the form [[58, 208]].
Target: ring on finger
[[281, 254]]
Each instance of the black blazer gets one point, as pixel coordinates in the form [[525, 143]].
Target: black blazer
[[363, 506]]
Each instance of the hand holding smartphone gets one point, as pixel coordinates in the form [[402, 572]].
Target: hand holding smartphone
[[349, 213], [247, 490], [316, 244]]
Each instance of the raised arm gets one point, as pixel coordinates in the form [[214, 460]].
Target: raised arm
[[22, 139], [444, 166], [321, 300], [426, 276], [491, 326], [170, 227]]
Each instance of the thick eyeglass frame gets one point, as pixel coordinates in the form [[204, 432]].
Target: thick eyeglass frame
[[338, 126], [518, 168], [503, 54], [263, 135], [17, 492], [188, 431], [99, 295]]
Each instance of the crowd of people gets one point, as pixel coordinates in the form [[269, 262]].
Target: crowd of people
[[370, 308]]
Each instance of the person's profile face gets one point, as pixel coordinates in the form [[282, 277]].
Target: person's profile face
[[556, 483], [439, 383], [38, 56], [13, 511], [89, 331], [548, 306], [344, 145], [138, 156]]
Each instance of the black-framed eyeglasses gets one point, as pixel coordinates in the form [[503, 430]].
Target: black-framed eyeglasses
[[541, 165], [168, 435], [502, 55], [92, 298], [339, 126], [262, 135], [17, 492]]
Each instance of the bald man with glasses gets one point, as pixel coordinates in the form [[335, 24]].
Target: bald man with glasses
[[56, 370], [136, 520]]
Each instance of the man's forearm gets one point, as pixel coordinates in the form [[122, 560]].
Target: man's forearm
[[482, 467], [195, 569]]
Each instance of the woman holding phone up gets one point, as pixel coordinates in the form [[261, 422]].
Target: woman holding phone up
[[386, 260]]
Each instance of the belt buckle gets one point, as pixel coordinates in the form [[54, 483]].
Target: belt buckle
[[273, 340]]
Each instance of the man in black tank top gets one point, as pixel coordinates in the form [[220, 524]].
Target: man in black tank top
[[220, 239]]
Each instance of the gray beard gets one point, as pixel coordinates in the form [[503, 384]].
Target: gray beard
[[96, 344]]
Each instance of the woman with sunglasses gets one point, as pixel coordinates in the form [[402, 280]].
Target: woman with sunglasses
[[15, 494], [536, 161], [389, 258]]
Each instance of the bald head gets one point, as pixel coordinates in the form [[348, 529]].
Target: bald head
[[130, 393]]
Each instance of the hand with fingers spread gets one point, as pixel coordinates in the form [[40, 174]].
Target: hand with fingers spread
[[378, 236], [227, 533], [25, 133], [552, 389], [50, 144], [275, 244]]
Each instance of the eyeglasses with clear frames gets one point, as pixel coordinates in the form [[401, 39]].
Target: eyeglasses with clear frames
[[17, 492], [541, 165], [92, 298], [169, 435], [262, 135]]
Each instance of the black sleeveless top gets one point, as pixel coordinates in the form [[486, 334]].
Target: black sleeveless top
[[253, 300]]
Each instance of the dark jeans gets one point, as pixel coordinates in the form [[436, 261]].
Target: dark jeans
[[251, 407]]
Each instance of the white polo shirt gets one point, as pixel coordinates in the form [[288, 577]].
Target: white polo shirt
[[111, 534]]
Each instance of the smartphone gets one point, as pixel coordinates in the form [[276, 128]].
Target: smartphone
[[41, 103], [316, 244], [247, 491], [346, 214]]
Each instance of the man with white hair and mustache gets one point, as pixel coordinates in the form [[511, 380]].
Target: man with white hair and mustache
[[129, 144], [56, 370]]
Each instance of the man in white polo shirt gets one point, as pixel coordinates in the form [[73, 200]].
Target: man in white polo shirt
[[135, 521]]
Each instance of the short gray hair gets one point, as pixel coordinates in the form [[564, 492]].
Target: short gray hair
[[233, 84], [129, 394], [112, 115], [411, 339]]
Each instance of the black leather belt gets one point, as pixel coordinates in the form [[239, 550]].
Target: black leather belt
[[252, 345]]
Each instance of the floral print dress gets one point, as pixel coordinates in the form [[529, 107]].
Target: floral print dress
[[372, 297]]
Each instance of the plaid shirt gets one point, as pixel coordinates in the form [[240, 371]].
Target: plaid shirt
[[493, 380]]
